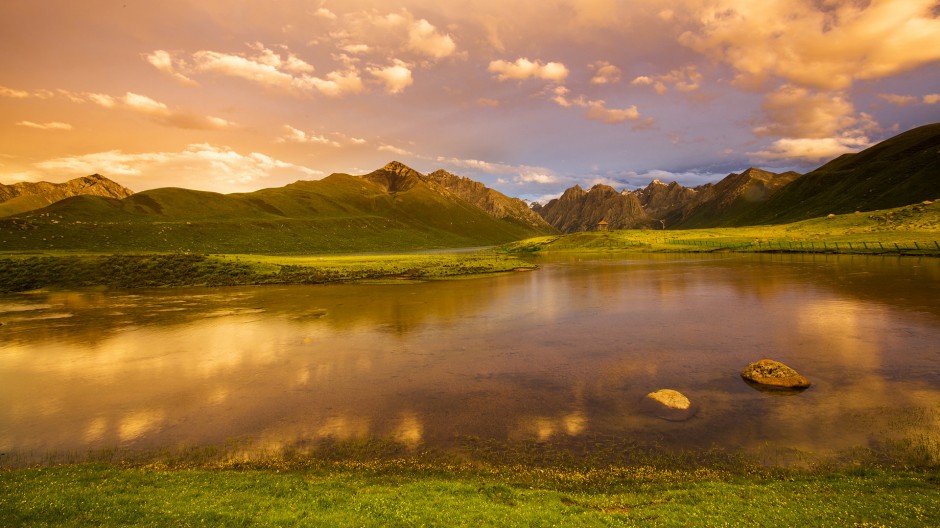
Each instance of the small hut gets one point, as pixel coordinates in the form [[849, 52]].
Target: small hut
[[602, 225]]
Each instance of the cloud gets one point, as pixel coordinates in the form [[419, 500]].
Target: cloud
[[324, 13], [396, 77], [53, 125], [486, 102], [268, 68], [826, 45], [685, 79], [425, 38], [157, 111], [394, 150], [798, 112], [596, 109], [12, 93], [899, 100], [293, 135], [605, 73], [932, 99], [23, 94], [164, 62], [198, 166], [523, 69], [810, 149]]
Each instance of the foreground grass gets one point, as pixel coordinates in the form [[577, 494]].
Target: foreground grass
[[911, 230], [62, 270], [392, 494]]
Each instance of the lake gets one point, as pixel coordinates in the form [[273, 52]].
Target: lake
[[553, 356]]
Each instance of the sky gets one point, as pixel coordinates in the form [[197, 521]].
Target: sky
[[529, 98]]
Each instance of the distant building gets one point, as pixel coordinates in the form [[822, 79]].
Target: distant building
[[602, 225]]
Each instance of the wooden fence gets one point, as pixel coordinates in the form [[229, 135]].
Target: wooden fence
[[877, 248]]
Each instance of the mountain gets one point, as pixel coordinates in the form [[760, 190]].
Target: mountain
[[28, 196], [902, 170], [493, 202], [899, 171], [391, 209], [580, 210], [723, 203], [660, 200]]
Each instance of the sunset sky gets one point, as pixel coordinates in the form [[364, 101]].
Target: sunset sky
[[527, 97]]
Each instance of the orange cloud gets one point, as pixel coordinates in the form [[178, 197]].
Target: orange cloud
[[53, 125], [396, 77], [523, 69], [826, 45]]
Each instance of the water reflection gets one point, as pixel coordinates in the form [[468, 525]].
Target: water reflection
[[559, 354]]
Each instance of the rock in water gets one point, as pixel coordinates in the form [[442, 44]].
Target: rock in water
[[669, 405], [772, 374]]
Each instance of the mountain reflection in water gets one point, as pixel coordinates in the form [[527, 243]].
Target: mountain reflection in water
[[550, 356]]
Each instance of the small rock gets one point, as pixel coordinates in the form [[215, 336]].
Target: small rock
[[669, 405], [772, 374]]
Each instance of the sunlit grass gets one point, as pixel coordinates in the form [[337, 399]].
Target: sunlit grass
[[906, 230]]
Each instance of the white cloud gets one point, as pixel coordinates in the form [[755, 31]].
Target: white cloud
[[394, 150], [12, 93], [164, 62], [199, 166], [293, 135], [810, 149], [523, 69], [597, 109], [685, 79], [325, 13], [425, 38], [53, 125], [356, 48], [285, 72], [605, 73], [157, 111], [396, 77]]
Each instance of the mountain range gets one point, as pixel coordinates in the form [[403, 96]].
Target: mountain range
[[397, 208], [394, 208], [899, 171]]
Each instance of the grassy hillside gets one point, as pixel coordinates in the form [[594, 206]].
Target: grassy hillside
[[899, 171], [913, 229], [340, 213]]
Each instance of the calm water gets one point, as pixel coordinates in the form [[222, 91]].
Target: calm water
[[554, 355]]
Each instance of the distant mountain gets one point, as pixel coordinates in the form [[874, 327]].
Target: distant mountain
[[28, 196], [723, 203], [391, 209], [902, 170], [493, 202], [899, 171], [580, 210], [661, 200]]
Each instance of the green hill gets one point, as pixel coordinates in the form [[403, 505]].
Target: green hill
[[899, 171], [338, 213]]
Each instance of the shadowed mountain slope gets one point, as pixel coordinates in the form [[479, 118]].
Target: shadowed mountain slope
[[899, 171]]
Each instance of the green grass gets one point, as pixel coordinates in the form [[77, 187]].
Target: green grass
[[400, 493], [24, 272], [913, 230]]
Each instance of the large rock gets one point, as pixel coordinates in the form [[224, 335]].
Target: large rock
[[771, 374], [669, 405]]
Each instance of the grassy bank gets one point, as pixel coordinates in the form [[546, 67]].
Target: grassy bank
[[23, 272], [911, 230], [398, 493]]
